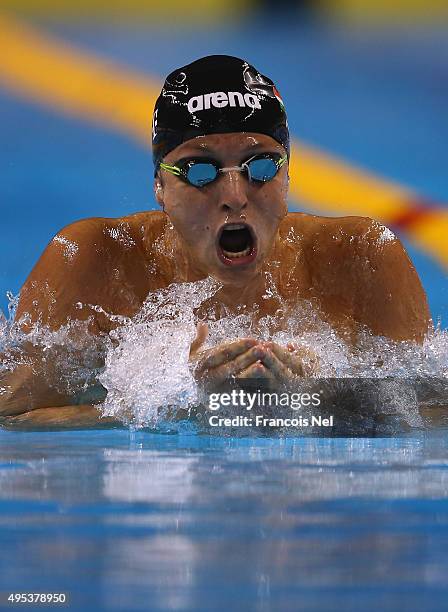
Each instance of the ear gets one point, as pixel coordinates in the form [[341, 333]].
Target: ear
[[158, 191]]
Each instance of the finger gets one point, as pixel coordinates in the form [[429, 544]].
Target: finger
[[301, 361], [201, 336], [256, 370], [276, 353], [234, 367], [226, 352], [274, 365], [295, 348]]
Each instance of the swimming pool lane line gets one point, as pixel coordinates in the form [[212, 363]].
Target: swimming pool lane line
[[47, 71], [41, 68]]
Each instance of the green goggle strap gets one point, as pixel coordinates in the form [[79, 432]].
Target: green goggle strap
[[281, 161], [172, 169]]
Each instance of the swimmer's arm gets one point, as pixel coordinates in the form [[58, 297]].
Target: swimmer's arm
[[28, 401], [81, 266], [392, 301], [60, 280], [60, 417]]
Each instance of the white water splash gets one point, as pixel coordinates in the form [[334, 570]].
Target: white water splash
[[143, 364], [69, 359], [147, 370], [386, 235]]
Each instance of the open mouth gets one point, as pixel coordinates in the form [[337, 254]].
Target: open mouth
[[236, 244]]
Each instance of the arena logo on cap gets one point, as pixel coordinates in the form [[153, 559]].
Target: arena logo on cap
[[220, 99]]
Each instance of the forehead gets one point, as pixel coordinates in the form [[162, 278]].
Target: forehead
[[223, 145]]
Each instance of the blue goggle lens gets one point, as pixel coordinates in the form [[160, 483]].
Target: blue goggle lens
[[263, 169], [199, 174]]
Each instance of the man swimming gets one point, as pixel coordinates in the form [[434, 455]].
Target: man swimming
[[221, 153]]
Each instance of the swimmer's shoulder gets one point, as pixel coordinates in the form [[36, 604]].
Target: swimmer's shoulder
[[95, 260], [333, 247], [106, 240], [359, 263], [346, 245], [147, 225], [320, 230], [101, 243], [128, 232], [341, 237]]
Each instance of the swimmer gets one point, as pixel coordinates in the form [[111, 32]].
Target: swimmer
[[221, 154]]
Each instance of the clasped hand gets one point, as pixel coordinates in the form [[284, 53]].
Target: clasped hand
[[249, 358]]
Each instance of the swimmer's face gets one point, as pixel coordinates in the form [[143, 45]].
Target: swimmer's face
[[228, 226]]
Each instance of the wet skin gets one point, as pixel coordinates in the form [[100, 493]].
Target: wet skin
[[353, 272]]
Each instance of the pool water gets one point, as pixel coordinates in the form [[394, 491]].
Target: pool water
[[123, 520], [145, 521]]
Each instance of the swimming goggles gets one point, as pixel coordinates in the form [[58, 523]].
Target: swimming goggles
[[200, 171]]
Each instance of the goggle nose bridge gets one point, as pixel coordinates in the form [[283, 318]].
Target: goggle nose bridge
[[243, 168]]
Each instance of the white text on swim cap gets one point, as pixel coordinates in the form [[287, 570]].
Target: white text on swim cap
[[219, 99]]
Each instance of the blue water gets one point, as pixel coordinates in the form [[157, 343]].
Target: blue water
[[144, 521], [141, 521]]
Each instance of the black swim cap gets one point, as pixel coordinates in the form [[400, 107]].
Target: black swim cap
[[214, 95]]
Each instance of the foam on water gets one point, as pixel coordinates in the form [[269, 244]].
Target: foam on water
[[143, 364]]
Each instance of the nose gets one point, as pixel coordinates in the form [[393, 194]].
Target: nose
[[233, 191]]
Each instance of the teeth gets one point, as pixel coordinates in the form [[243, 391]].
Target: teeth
[[234, 226], [244, 253]]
